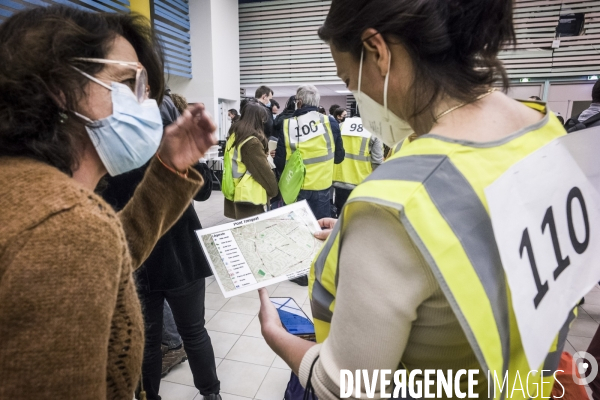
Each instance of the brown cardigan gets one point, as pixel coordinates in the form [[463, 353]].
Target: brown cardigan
[[255, 160], [70, 321]]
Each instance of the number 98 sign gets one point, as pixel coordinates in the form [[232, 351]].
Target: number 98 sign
[[546, 219]]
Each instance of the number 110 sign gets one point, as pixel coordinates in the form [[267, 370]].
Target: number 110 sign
[[546, 219]]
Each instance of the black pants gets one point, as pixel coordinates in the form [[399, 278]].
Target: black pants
[[594, 350], [187, 304], [341, 196]]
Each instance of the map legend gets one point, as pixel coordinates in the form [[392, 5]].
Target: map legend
[[234, 261]]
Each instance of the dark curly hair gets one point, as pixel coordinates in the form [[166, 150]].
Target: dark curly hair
[[453, 43], [38, 87]]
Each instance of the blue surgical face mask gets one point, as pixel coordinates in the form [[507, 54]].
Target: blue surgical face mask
[[129, 137], [268, 104]]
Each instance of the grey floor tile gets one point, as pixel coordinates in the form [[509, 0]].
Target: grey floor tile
[[592, 310], [593, 298], [240, 378], [584, 327], [176, 391], [579, 343]]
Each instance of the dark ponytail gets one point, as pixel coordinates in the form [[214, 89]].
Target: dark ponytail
[[453, 43]]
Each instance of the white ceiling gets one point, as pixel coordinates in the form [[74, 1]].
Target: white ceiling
[[289, 90]]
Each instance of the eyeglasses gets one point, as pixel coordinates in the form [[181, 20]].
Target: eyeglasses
[[139, 89]]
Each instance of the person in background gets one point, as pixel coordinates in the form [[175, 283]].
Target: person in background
[[70, 319], [172, 344], [340, 115], [364, 153], [594, 108], [233, 115], [264, 95], [321, 110], [254, 180], [436, 295], [173, 273], [560, 118], [180, 102], [333, 108], [335, 126], [274, 108], [594, 346], [319, 153], [288, 112]]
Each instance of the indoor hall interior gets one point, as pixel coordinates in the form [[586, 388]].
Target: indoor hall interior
[[248, 368]]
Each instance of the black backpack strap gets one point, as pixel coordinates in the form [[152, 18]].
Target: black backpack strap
[[585, 124]]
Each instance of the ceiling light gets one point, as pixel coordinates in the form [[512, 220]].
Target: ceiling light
[[525, 79], [593, 78], [343, 91]]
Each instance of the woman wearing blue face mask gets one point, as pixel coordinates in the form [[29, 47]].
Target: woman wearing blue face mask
[[410, 278], [74, 105]]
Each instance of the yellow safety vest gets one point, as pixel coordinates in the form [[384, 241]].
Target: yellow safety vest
[[396, 148], [317, 152], [357, 163], [437, 185], [247, 189]]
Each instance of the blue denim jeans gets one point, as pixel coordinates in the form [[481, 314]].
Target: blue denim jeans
[[170, 336], [318, 200]]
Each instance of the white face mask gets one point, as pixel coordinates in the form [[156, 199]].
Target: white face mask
[[378, 119]]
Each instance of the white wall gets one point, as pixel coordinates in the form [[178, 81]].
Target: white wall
[[201, 87], [562, 95], [328, 101], [523, 92], [226, 49], [214, 38]]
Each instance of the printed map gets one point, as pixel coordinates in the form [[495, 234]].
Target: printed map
[[278, 246]]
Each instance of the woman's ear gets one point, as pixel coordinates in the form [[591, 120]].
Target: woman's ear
[[375, 46]]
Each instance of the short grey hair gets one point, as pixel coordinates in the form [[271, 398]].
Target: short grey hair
[[309, 95]]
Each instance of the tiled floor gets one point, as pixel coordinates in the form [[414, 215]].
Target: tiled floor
[[248, 368]]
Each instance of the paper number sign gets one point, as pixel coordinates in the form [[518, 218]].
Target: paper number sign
[[546, 217], [354, 127], [305, 127], [562, 261]]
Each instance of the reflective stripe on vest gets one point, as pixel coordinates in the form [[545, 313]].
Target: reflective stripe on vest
[[396, 148], [444, 181], [247, 189], [357, 162], [317, 154]]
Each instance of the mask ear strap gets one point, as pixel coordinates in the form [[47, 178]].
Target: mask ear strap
[[362, 53], [92, 78], [83, 117], [385, 85]]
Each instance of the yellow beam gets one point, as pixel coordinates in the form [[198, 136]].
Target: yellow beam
[[141, 7]]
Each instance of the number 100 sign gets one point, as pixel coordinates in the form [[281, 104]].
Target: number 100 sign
[[546, 219]]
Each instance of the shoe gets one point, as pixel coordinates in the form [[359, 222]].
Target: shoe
[[212, 397], [163, 349], [172, 358], [302, 281]]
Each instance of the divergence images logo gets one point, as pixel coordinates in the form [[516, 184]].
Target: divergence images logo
[[586, 365]]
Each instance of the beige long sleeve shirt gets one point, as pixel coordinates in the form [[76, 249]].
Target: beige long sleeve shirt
[[390, 311]]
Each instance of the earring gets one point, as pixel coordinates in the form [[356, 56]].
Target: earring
[[63, 117]]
